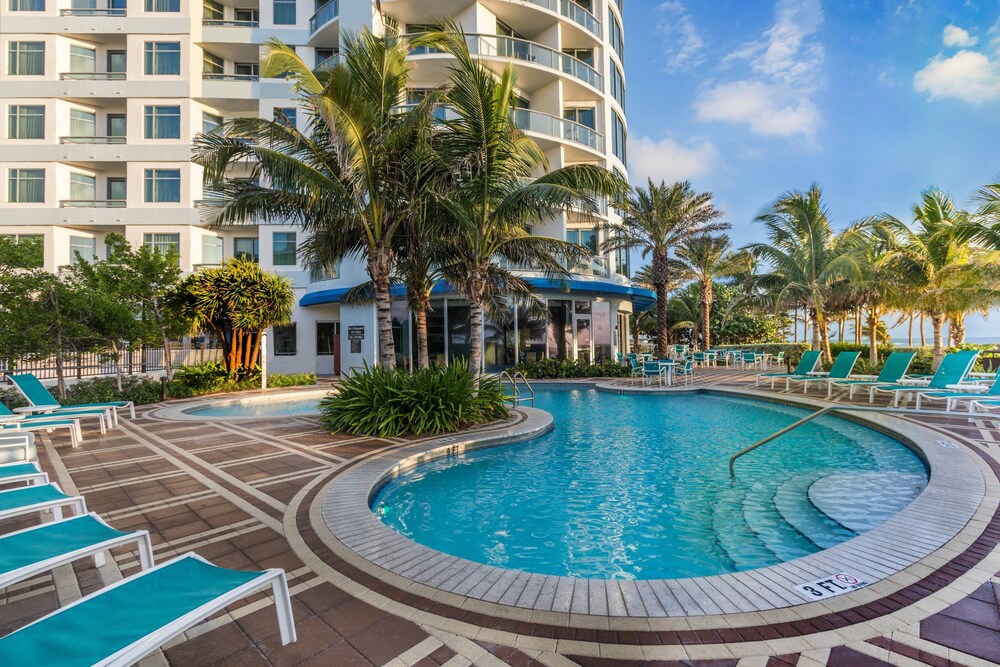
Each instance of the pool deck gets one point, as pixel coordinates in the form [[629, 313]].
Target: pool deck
[[250, 494]]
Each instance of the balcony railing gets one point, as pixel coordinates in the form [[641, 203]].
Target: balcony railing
[[92, 140], [499, 46], [324, 15], [553, 126], [597, 266], [210, 76], [92, 203], [92, 11], [572, 11], [229, 23], [332, 61], [92, 76]]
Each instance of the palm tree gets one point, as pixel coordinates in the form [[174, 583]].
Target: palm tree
[[656, 220], [806, 257], [706, 258], [340, 178], [989, 214], [492, 196]]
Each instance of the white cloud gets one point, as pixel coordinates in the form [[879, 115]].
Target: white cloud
[[683, 45], [668, 160], [969, 76], [955, 36], [786, 64]]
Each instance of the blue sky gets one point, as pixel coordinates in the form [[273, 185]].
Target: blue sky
[[875, 101]]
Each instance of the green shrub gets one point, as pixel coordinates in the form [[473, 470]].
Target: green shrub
[[202, 378], [391, 403], [211, 377], [567, 368]]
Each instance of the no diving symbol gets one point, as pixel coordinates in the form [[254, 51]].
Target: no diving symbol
[[846, 579]]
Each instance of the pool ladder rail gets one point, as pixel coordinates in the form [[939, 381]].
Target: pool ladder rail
[[516, 398]]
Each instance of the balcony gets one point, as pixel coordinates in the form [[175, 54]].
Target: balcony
[[570, 10], [92, 140], [210, 76], [552, 126], [92, 76], [228, 23], [92, 11], [324, 15], [91, 203]]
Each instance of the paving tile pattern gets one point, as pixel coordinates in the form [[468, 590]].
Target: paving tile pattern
[[239, 493]]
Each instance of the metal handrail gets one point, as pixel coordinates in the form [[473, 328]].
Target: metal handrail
[[519, 374], [820, 413], [512, 379]]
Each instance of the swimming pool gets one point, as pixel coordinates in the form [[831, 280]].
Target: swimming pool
[[289, 407], [637, 486]]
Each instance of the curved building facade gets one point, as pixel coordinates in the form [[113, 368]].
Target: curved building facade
[[102, 100]]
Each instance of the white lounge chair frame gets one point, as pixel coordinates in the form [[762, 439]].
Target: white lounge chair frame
[[22, 440], [78, 503], [75, 432], [139, 537], [38, 478]]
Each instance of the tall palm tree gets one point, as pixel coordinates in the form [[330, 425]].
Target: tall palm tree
[[339, 179], [706, 258], [806, 257], [492, 195], [989, 213], [658, 219]]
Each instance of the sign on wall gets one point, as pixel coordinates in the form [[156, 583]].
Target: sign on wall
[[356, 334]]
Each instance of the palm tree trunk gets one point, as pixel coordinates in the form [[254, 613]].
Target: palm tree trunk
[[858, 326], [814, 320], [872, 337], [420, 315], [937, 324], [824, 331], [909, 332], [706, 314], [660, 279], [379, 265], [923, 341], [841, 323], [956, 329], [795, 325], [476, 335]]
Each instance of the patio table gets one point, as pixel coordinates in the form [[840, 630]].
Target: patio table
[[670, 370]]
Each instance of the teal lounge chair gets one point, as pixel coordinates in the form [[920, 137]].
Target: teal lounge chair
[[952, 397], [33, 551], [15, 473], [41, 423], [10, 417], [807, 364], [29, 499], [953, 369], [893, 370], [841, 370], [39, 396], [124, 622]]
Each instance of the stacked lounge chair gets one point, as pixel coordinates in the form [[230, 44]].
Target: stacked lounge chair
[[892, 372], [40, 398], [841, 370], [807, 364], [13, 423], [953, 369]]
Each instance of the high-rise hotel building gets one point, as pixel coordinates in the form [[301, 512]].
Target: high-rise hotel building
[[101, 99]]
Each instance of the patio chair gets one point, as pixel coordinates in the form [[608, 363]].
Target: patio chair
[[634, 369], [751, 359], [700, 358], [29, 499], [685, 372], [841, 370], [651, 369], [893, 370], [17, 447], [953, 369], [30, 473], [951, 397], [39, 396], [42, 423], [779, 359], [807, 364], [103, 416], [124, 622], [32, 551]]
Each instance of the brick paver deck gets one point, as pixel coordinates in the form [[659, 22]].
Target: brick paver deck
[[239, 493]]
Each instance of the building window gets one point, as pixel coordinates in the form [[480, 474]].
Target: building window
[[30, 250], [211, 250], [284, 12], [162, 185], [617, 84], [26, 186], [285, 340], [27, 5], [209, 122], [587, 117], [117, 125], [117, 61], [212, 64], [583, 237], [163, 58], [615, 35], [116, 189], [618, 137], [26, 58], [247, 248], [83, 247], [163, 5], [212, 11], [323, 55], [26, 122], [82, 123], [583, 55], [326, 338], [324, 272], [247, 69], [82, 187], [247, 15], [82, 59], [163, 122], [284, 249], [285, 116], [163, 244]]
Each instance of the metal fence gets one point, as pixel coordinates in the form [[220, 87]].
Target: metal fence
[[96, 364]]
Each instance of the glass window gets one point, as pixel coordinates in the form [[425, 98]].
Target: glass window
[[247, 247], [322, 55], [116, 189], [82, 123], [531, 327], [583, 237], [459, 330], [27, 5], [618, 137], [163, 243], [284, 249], [209, 121], [116, 125], [82, 59], [324, 272], [247, 69], [162, 185], [26, 58], [212, 11], [498, 344], [211, 250], [163, 58], [26, 122], [285, 116], [284, 12], [163, 122], [26, 186], [285, 340], [586, 117], [585, 55], [247, 15], [327, 334], [617, 84], [560, 329], [211, 63], [82, 187], [117, 61], [83, 246], [163, 5], [602, 331], [615, 34]]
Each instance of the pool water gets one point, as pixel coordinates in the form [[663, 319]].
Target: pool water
[[637, 486], [290, 408]]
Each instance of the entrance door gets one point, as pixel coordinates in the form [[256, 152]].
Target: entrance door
[[583, 339], [328, 348]]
